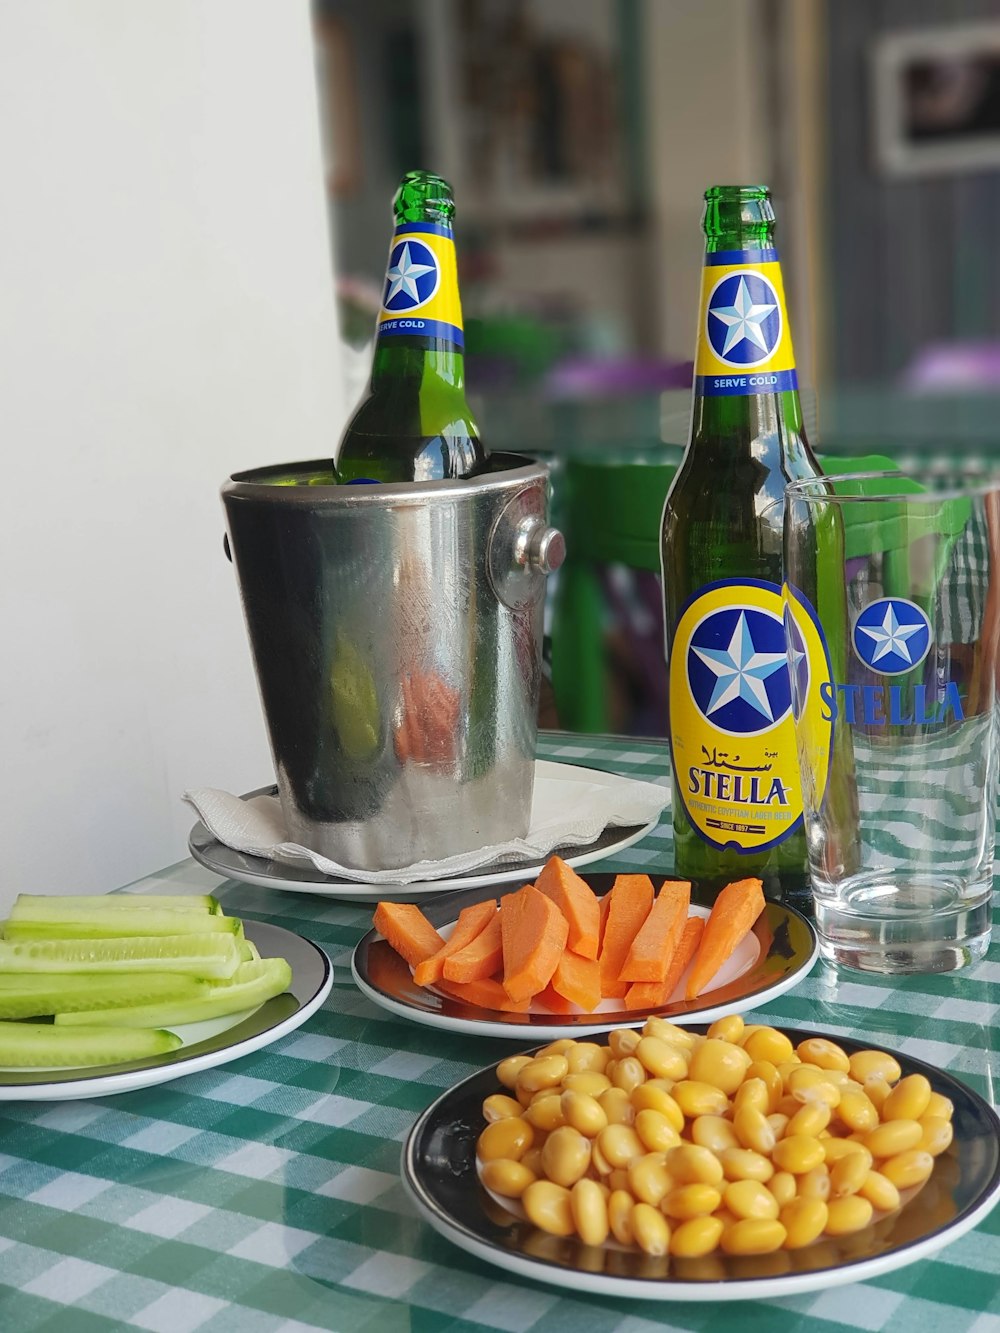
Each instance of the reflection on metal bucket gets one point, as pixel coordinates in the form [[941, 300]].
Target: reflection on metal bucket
[[396, 635]]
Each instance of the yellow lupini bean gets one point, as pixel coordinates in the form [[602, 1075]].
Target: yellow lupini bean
[[598, 1161], [584, 1113], [939, 1106], [620, 1205], [880, 1192], [691, 1164], [696, 1237], [783, 1186], [877, 1090], [804, 1221], [745, 1164], [505, 1176], [814, 1184], [546, 1113], [908, 1168], [508, 1070], [908, 1099], [826, 1054], [753, 1235], [810, 1119], [715, 1132], [653, 1096], [728, 1028], [589, 1082], [549, 1207], [847, 1215], [499, 1107], [661, 1059], [798, 1153], [779, 1123], [589, 1210], [865, 1065], [629, 1073], [769, 1076], [696, 1098], [857, 1110], [623, 1041], [650, 1229], [566, 1156], [849, 1174], [620, 1144], [718, 1064], [648, 1178], [753, 1131], [616, 1106], [809, 1084], [659, 1027], [655, 1131], [937, 1136], [543, 1072], [587, 1057], [835, 1149], [686, 1201], [532, 1160], [753, 1094], [769, 1044], [749, 1198], [510, 1137], [892, 1137]]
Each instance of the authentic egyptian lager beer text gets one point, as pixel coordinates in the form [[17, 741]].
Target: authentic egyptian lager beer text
[[737, 805], [415, 423]]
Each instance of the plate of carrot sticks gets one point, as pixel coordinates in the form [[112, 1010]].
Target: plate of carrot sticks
[[567, 954]]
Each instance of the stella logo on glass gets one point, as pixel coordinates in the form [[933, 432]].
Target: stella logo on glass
[[420, 298], [744, 344], [732, 733]]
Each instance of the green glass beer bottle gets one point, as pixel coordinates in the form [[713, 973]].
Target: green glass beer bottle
[[737, 806], [415, 424]]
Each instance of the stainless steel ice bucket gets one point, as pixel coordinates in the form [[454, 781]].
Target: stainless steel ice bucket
[[396, 633]]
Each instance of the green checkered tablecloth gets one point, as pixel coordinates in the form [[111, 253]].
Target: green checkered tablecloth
[[265, 1195]]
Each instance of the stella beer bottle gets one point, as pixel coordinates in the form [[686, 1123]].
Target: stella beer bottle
[[415, 424], [737, 807]]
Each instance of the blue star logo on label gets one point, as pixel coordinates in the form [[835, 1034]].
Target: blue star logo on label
[[892, 635], [743, 320], [411, 278], [738, 670]]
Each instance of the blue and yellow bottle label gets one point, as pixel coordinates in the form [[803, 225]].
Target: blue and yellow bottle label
[[421, 285], [732, 733], [744, 342]]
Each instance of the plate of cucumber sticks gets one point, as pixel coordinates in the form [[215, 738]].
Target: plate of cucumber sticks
[[106, 994]]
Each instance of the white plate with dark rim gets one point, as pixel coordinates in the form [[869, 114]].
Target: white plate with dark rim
[[778, 952], [439, 1173], [206, 1045], [285, 875]]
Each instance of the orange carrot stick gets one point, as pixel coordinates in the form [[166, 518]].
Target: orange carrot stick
[[648, 995], [534, 935], [408, 931], [578, 979], [472, 921], [735, 910], [479, 959], [631, 900], [578, 903], [656, 939], [485, 994]]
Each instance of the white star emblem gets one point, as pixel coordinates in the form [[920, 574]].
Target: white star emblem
[[892, 637], [743, 319], [740, 671], [402, 277]]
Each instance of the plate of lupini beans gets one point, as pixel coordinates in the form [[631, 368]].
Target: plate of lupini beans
[[732, 1162]]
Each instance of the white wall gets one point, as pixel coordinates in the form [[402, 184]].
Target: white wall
[[166, 318]]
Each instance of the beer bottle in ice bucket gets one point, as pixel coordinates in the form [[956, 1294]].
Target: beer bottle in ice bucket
[[415, 424], [737, 807]]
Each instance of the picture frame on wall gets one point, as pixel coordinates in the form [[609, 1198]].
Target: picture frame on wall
[[936, 100]]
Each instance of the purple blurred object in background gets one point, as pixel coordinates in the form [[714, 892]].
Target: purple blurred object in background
[[946, 367], [586, 377]]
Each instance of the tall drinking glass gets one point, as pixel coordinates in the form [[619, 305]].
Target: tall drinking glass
[[896, 725]]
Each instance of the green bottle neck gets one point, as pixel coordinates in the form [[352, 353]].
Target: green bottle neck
[[738, 218]]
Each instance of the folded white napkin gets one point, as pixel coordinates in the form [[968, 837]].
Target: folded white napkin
[[568, 809]]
